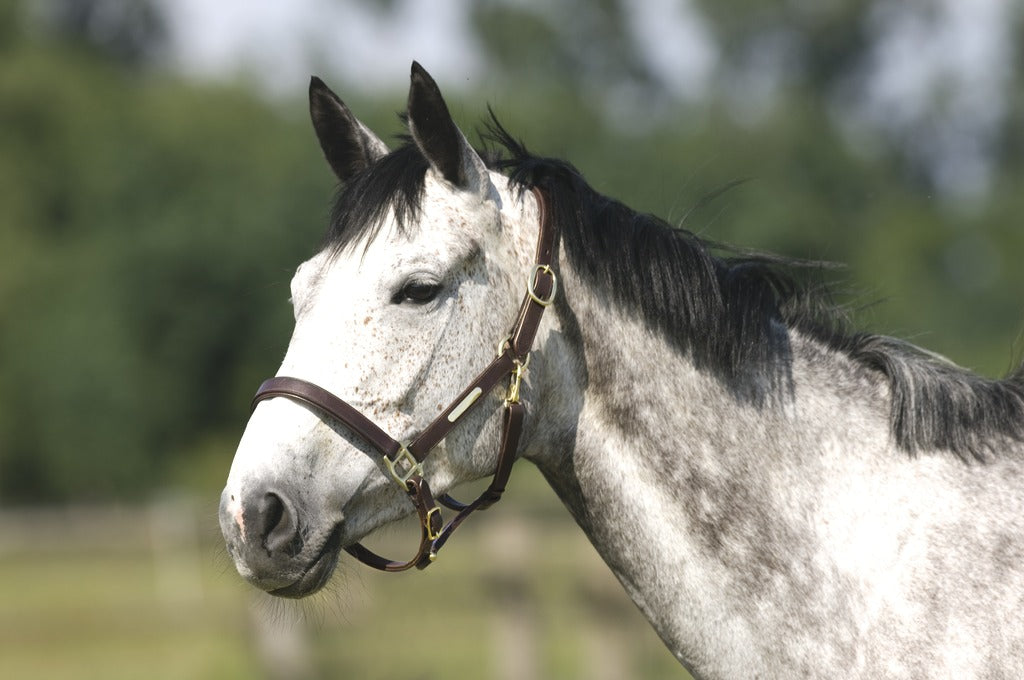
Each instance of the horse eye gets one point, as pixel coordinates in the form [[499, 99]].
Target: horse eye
[[417, 292]]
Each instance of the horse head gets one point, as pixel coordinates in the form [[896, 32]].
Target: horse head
[[416, 286]]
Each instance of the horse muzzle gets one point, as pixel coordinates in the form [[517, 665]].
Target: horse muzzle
[[273, 543]]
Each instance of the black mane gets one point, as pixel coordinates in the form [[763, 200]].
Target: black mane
[[729, 312]]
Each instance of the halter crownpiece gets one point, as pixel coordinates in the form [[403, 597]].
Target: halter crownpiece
[[404, 463]]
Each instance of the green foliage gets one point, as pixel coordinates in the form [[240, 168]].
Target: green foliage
[[150, 229], [149, 226]]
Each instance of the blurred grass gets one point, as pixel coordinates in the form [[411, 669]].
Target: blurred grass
[[132, 592]]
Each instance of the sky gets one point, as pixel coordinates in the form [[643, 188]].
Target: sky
[[280, 43], [946, 73], [935, 81]]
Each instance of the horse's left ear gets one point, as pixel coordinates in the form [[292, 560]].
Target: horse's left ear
[[440, 139]]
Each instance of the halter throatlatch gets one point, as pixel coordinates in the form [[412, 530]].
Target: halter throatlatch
[[404, 463]]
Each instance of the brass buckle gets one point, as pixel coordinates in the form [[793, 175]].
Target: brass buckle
[[431, 534], [512, 396], [406, 459], [531, 284]]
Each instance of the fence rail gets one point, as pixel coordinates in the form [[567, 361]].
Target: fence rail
[[148, 591]]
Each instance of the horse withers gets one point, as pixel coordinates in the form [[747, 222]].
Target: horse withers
[[779, 496]]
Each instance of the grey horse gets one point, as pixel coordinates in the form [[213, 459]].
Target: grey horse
[[781, 496]]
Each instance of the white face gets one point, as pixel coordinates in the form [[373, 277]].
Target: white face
[[397, 328]]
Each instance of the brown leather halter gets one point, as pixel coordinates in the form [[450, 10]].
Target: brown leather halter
[[404, 462]]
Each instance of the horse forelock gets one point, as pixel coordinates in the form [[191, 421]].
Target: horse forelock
[[392, 184]]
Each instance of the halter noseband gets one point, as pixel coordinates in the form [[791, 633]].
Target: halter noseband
[[404, 463]]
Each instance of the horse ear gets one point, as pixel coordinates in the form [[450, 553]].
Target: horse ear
[[348, 145], [440, 140]]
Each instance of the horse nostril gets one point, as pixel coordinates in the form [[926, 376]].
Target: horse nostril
[[278, 524], [271, 512]]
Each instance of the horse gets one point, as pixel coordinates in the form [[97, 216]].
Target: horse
[[781, 495]]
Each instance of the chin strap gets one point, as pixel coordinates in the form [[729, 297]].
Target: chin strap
[[404, 463]]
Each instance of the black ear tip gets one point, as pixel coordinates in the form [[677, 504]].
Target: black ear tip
[[420, 75], [316, 84]]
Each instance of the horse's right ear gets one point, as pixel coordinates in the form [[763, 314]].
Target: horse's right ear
[[348, 145]]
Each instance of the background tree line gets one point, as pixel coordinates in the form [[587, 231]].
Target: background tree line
[[149, 224]]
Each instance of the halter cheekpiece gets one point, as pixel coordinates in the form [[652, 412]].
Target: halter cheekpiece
[[404, 462]]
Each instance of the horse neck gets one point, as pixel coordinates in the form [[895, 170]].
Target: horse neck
[[697, 500]]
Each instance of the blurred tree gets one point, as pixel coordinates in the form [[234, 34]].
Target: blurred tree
[[149, 226], [134, 33], [143, 222], [584, 38]]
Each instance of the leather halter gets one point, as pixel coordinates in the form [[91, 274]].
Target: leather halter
[[404, 462]]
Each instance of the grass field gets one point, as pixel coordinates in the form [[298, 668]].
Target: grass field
[[147, 592]]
